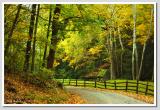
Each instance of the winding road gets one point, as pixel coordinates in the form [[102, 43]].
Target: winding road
[[93, 96]]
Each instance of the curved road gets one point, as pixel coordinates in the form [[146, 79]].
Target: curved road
[[93, 96]]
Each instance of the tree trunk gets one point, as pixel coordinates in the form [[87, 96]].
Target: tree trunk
[[6, 7], [122, 48], [144, 46], [137, 65], [115, 55], [113, 73], [34, 39], [54, 39], [28, 46], [48, 30], [134, 52], [12, 29]]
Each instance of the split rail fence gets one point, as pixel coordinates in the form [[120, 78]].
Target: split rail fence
[[137, 86]]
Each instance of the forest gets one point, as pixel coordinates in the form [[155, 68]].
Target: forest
[[55, 41]]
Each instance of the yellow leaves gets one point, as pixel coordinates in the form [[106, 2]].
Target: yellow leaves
[[23, 24], [141, 28], [142, 32], [56, 63], [130, 43], [65, 58], [142, 39], [95, 50], [19, 37], [72, 62], [100, 10]]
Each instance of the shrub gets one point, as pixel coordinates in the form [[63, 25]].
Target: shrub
[[42, 78], [102, 72], [46, 73]]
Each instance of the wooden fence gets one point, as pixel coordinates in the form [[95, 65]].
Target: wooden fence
[[137, 86]]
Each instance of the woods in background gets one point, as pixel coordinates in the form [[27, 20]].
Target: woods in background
[[114, 41]]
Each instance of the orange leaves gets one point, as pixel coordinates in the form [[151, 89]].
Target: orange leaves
[[27, 93], [75, 99]]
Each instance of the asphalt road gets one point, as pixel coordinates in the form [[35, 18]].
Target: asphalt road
[[93, 96]]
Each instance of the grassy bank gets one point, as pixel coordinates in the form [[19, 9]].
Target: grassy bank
[[149, 98], [110, 84]]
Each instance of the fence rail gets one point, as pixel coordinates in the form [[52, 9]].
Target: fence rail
[[137, 86]]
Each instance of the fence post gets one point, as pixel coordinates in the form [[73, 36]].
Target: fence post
[[76, 82], [115, 85], [95, 83], [137, 87], [105, 84], [84, 83], [126, 85], [146, 88], [69, 81]]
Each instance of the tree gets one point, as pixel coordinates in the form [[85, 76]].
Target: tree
[[83, 39], [144, 46], [34, 38], [122, 47], [48, 31], [12, 28], [134, 52], [28, 46], [54, 39], [112, 53]]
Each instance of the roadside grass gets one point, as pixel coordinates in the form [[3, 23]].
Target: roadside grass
[[131, 92]]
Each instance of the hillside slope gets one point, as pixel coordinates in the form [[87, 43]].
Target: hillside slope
[[19, 91]]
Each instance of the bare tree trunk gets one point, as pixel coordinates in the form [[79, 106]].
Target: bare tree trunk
[[40, 59], [28, 46], [135, 46], [54, 39], [144, 46], [134, 56], [137, 65], [115, 55], [122, 48], [34, 39], [113, 73], [48, 30], [12, 29], [107, 45]]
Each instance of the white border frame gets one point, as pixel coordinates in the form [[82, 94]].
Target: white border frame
[[69, 105]]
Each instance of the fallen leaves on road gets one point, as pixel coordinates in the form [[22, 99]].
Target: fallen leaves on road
[[146, 98], [76, 99]]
